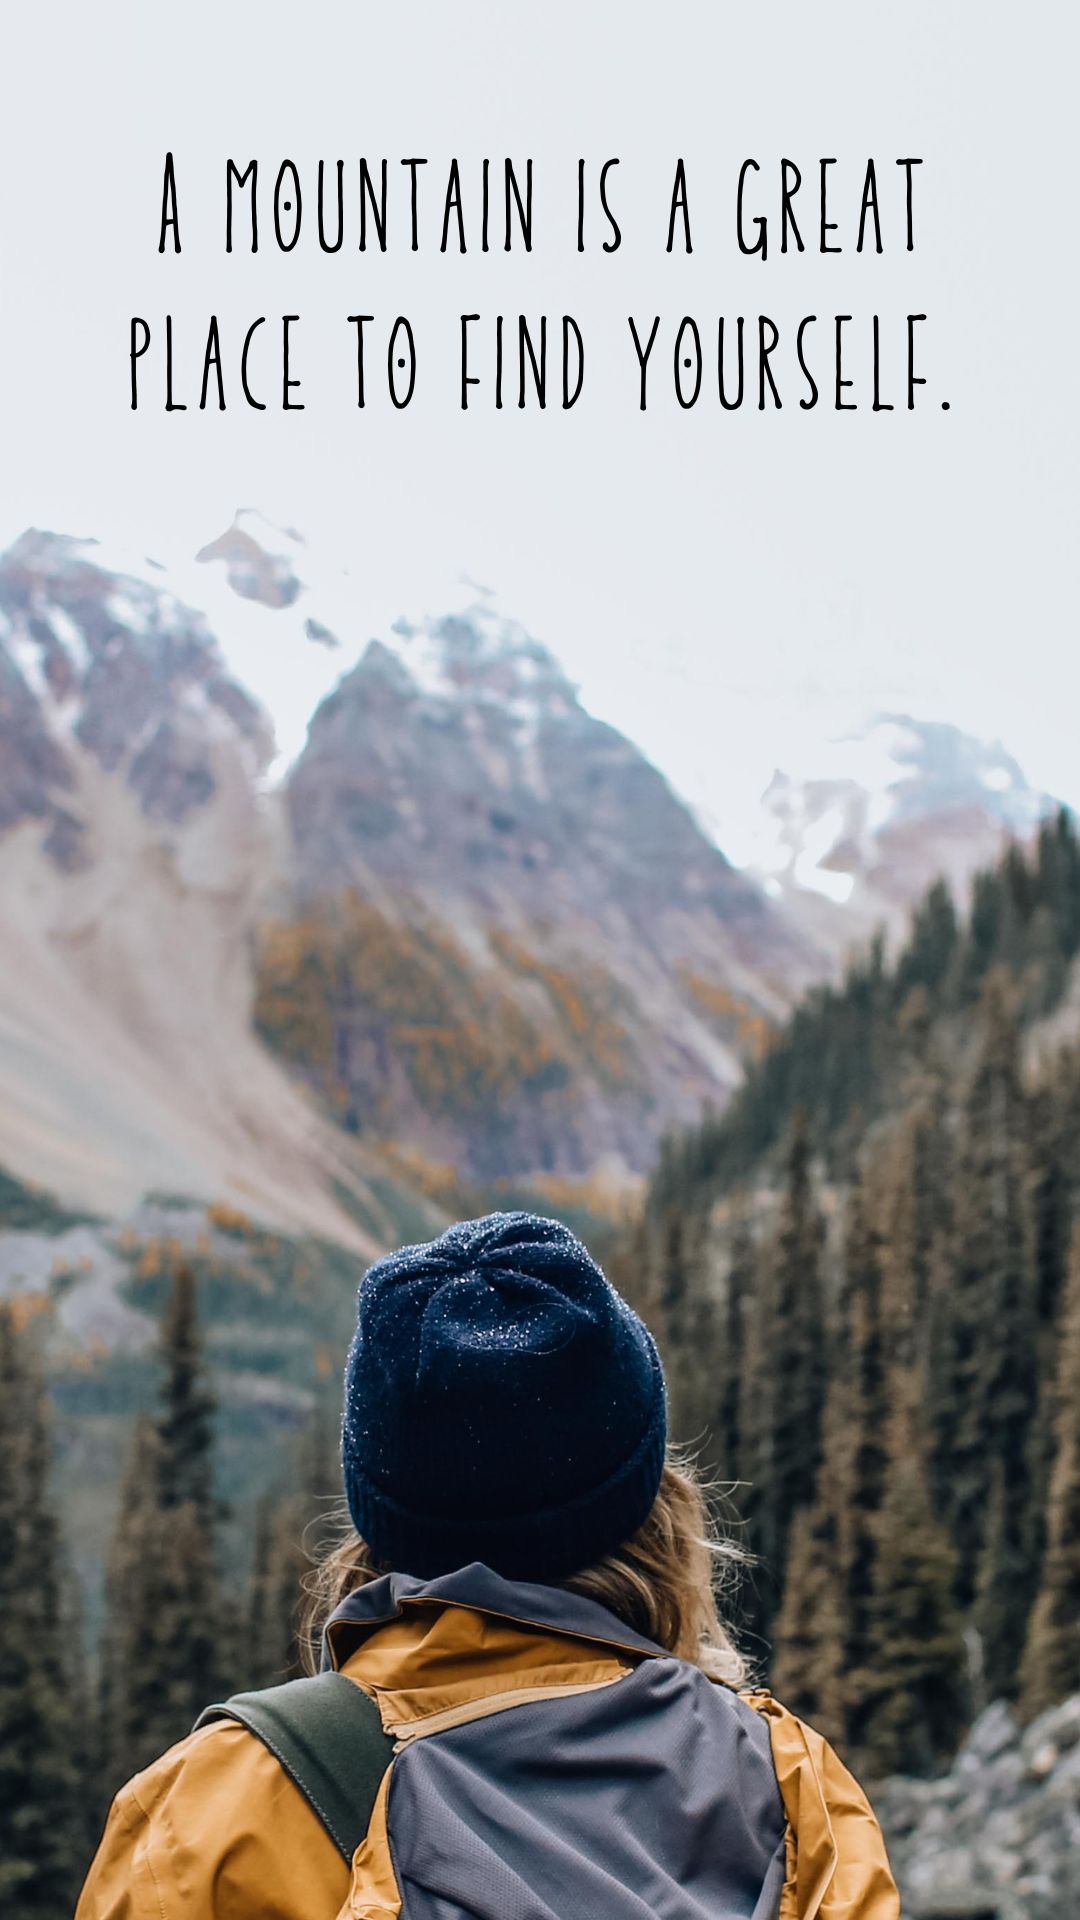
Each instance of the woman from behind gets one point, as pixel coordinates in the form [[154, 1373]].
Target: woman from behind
[[527, 1704]]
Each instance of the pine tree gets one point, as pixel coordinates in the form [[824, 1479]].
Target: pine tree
[[291, 1533], [789, 1380], [931, 945], [823, 1635], [42, 1797], [162, 1660], [733, 1357], [914, 1683], [136, 1718], [1052, 1132], [191, 1666], [992, 1610], [807, 1671], [1058, 865], [276, 1571], [985, 929], [1051, 1664], [686, 1322], [853, 1469], [753, 1444], [1044, 966], [1009, 1386], [988, 1381], [915, 1232], [185, 1422]]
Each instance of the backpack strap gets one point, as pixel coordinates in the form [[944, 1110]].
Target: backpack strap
[[327, 1734]]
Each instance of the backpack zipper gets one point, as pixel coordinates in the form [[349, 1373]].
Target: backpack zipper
[[405, 1732]]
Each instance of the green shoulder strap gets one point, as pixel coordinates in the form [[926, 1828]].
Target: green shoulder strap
[[328, 1736]]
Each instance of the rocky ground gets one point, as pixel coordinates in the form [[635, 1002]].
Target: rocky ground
[[998, 1838]]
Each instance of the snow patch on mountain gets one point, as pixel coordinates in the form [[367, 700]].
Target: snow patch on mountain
[[291, 620], [855, 842]]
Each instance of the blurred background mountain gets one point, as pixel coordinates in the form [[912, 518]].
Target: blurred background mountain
[[262, 1016]]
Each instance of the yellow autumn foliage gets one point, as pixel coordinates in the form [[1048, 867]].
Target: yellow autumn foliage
[[27, 1307], [350, 988], [229, 1219], [727, 1012]]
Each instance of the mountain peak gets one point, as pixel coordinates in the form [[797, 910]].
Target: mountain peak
[[104, 666], [479, 654], [938, 766], [886, 811]]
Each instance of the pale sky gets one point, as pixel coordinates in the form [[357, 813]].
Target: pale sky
[[731, 588]]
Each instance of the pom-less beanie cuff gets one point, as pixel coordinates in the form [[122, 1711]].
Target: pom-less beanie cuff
[[542, 1545]]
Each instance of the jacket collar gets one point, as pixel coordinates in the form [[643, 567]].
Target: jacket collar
[[478, 1587]]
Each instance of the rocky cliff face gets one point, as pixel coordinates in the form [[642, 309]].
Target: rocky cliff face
[[999, 1837], [102, 667], [133, 852], [537, 909]]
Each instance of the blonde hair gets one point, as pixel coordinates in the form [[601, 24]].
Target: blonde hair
[[663, 1582]]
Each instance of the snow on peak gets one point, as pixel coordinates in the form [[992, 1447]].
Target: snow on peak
[[291, 618], [880, 815], [478, 653], [109, 654], [820, 829], [295, 620]]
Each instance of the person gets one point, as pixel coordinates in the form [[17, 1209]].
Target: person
[[528, 1706]]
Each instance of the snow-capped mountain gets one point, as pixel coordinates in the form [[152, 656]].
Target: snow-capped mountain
[[885, 813], [540, 961], [115, 670], [470, 915], [134, 850], [545, 927]]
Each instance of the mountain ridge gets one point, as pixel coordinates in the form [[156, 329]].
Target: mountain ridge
[[471, 917], [454, 783]]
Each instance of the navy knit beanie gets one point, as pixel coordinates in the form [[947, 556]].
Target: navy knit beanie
[[502, 1403]]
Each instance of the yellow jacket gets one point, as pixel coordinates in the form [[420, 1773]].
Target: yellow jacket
[[216, 1830]]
